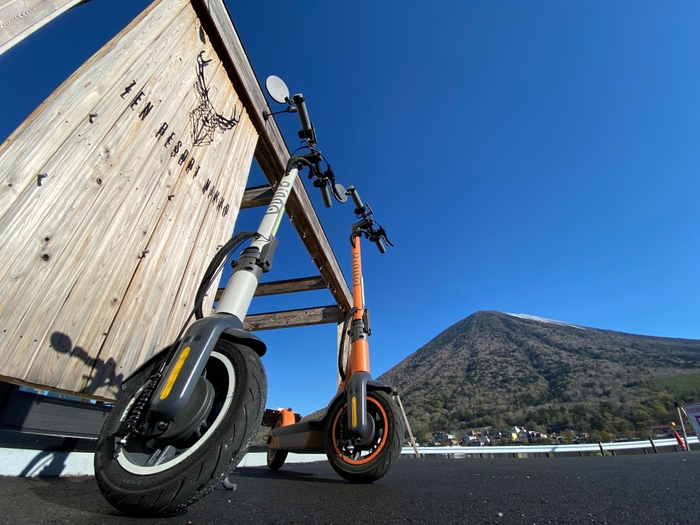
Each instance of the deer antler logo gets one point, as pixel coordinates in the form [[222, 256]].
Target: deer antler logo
[[205, 120]]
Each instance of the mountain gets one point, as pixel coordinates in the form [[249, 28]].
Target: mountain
[[498, 369]]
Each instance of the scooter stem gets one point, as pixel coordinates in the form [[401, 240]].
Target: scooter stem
[[359, 426], [241, 287], [187, 364], [359, 349]]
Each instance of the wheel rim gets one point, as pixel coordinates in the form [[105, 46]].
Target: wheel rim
[[133, 457], [362, 455]]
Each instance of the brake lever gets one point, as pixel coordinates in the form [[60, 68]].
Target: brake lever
[[382, 232]]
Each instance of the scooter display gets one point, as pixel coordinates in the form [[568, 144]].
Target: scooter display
[[187, 416], [362, 430]]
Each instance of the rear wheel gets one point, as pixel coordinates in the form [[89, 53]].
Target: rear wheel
[[275, 456], [370, 462], [156, 475]]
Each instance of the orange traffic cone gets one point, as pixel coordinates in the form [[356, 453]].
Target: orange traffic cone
[[681, 443]]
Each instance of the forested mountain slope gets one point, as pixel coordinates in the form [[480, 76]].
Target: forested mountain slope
[[503, 369]]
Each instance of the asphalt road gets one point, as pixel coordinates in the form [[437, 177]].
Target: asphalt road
[[634, 490]]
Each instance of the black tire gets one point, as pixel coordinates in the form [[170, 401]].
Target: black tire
[[371, 462], [276, 457], [240, 387]]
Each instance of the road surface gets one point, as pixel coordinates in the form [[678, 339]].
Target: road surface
[[634, 490]]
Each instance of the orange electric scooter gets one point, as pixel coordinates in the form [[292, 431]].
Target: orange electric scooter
[[362, 430]]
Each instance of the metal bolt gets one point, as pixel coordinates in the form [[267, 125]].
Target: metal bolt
[[162, 425]]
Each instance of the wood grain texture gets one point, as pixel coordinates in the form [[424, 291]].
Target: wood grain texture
[[100, 262], [257, 196], [75, 212], [301, 284], [292, 318], [345, 348], [20, 18], [271, 152]]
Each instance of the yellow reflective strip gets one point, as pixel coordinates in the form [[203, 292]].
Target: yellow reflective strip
[[354, 412], [175, 372], [278, 222]]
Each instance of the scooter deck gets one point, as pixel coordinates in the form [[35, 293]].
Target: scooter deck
[[305, 436]]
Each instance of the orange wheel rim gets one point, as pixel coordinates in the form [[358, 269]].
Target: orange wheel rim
[[376, 451]]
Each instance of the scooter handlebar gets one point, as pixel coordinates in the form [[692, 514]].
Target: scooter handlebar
[[359, 206], [326, 195], [380, 245], [303, 114]]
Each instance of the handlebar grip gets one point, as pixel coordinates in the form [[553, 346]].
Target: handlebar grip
[[356, 198], [326, 195], [380, 245], [301, 111]]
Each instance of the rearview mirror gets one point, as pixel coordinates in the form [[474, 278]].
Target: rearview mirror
[[277, 89], [340, 194]]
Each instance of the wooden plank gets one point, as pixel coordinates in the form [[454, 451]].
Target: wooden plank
[[77, 233], [60, 203], [165, 223], [20, 18], [271, 152], [128, 228], [144, 334], [257, 196], [302, 284], [345, 349], [292, 318], [150, 332], [22, 160]]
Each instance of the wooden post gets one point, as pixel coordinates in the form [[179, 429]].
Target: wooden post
[[408, 426], [680, 417], [20, 18], [345, 349], [653, 446]]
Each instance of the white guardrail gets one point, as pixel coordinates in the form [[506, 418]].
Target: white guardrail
[[30, 463], [588, 448]]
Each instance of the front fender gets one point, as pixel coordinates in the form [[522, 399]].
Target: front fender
[[235, 335], [371, 385]]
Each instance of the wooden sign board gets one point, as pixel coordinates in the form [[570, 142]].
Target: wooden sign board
[[114, 195], [20, 18]]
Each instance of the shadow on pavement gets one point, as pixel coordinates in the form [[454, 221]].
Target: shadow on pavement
[[75, 493], [285, 473]]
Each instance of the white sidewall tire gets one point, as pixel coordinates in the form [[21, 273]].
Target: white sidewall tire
[[152, 491]]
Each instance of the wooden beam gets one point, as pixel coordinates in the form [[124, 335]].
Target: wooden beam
[[271, 151], [303, 284], [257, 196], [20, 18], [291, 318]]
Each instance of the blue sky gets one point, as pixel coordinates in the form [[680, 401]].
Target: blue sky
[[527, 157]]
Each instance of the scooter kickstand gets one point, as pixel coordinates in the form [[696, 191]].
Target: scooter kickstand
[[228, 485]]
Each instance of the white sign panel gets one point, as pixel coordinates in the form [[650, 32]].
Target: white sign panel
[[693, 412]]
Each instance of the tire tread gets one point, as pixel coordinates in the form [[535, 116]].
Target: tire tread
[[191, 483]]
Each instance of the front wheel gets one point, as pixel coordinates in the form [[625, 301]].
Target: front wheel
[[153, 476], [370, 462]]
